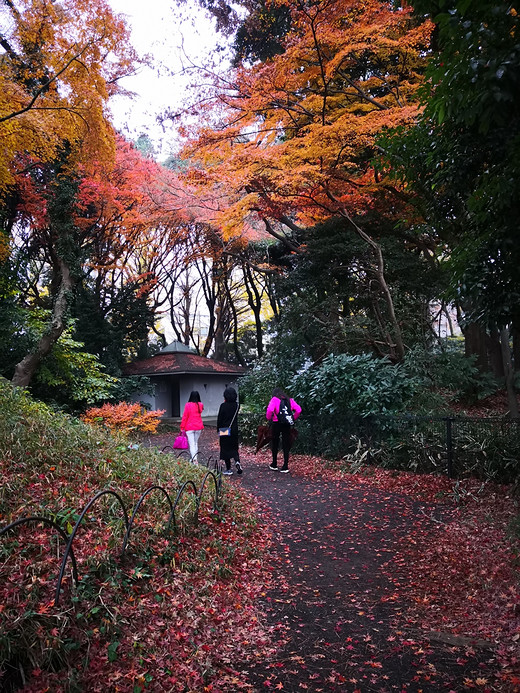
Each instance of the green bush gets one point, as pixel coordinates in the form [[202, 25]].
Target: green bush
[[275, 369], [343, 385], [38, 443], [450, 371]]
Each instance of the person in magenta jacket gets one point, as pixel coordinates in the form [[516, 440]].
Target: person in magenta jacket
[[191, 422], [281, 425]]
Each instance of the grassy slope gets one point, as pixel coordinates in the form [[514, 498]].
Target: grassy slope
[[173, 615]]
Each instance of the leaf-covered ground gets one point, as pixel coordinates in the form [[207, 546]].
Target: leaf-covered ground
[[387, 581], [317, 580], [175, 614]]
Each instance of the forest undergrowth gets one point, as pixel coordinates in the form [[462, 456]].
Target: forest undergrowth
[[175, 614]]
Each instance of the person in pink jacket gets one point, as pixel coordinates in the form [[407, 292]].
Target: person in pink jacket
[[191, 422], [283, 411]]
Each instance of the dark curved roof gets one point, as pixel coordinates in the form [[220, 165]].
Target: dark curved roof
[[180, 363]]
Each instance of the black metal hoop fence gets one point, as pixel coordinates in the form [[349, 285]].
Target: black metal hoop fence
[[212, 478]]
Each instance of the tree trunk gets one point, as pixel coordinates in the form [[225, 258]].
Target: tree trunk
[[495, 355], [254, 300], [380, 274], [515, 333], [219, 350], [234, 316], [475, 344], [509, 374], [398, 345], [25, 370]]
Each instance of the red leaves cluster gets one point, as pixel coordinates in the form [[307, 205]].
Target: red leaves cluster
[[178, 615], [460, 577], [449, 574], [186, 615]]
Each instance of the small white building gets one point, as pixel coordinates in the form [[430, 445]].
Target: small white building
[[175, 371]]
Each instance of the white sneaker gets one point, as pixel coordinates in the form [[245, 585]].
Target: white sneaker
[[227, 472]]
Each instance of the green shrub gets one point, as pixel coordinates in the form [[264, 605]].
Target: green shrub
[[43, 454], [449, 370], [343, 384]]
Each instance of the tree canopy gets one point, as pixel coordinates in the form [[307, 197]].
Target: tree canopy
[[59, 65], [347, 180]]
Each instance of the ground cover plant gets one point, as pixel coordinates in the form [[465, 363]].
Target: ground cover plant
[[173, 615]]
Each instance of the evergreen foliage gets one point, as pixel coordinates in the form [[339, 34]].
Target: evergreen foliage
[[260, 35], [114, 327], [462, 158]]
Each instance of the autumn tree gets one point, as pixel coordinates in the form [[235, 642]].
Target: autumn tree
[[85, 228], [297, 136], [57, 241], [59, 65]]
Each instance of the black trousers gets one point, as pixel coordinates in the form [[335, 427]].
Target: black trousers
[[285, 431]]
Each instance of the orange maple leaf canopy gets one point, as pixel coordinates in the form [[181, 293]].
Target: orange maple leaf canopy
[[298, 138], [125, 212], [137, 206]]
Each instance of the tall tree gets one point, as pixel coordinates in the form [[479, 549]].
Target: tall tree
[[64, 259], [297, 137], [462, 161], [77, 226]]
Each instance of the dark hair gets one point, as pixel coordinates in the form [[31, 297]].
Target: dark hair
[[194, 396], [278, 392], [230, 394]]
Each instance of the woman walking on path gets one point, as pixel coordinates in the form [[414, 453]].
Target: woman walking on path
[[227, 418], [191, 422], [283, 411]]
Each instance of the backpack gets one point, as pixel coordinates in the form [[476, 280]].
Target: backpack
[[285, 414]]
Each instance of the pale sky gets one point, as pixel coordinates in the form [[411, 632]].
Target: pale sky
[[160, 29]]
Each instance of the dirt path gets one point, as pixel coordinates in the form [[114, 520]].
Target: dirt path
[[336, 605]]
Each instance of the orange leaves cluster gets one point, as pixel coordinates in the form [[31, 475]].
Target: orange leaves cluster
[[301, 127], [121, 204], [124, 417]]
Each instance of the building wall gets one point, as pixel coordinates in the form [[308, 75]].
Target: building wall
[[148, 400], [163, 395], [209, 387]]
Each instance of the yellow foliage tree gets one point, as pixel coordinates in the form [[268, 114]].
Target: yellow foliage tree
[[59, 65]]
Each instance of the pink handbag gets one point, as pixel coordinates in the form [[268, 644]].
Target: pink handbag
[[181, 442]]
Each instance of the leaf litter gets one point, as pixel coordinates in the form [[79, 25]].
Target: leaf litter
[[318, 580], [387, 581]]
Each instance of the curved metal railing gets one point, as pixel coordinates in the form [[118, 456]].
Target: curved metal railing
[[50, 523], [212, 476]]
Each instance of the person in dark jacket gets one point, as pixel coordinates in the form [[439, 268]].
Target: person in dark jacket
[[227, 417]]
